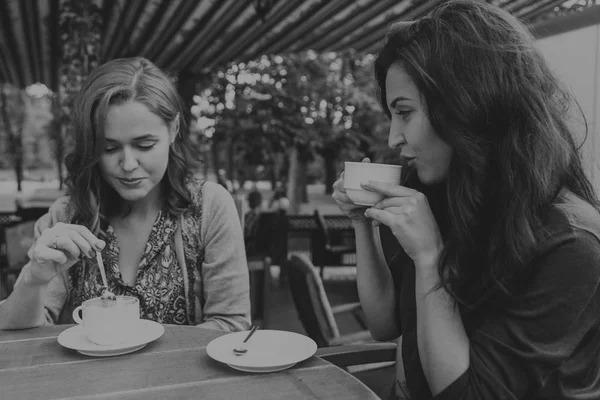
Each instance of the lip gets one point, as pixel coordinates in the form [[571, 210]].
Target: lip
[[408, 159], [130, 181]]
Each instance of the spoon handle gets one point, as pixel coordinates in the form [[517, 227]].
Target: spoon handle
[[101, 266], [254, 328]]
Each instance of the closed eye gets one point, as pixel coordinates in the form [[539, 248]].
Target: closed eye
[[110, 149], [146, 147], [403, 113]]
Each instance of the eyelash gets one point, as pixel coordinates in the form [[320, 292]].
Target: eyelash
[[404, 113], [143, 148]]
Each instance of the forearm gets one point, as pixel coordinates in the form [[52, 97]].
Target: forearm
[[442, 341], [24, 308], [375, 285]]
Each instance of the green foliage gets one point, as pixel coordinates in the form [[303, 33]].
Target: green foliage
[[319, 104]]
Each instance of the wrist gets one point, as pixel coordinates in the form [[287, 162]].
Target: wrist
[[361, 222], [32, 280], [426, 266]]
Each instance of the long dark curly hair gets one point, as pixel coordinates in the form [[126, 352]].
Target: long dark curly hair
[[116, 82], [490, 95]]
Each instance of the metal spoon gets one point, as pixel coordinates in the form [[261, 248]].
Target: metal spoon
[[107, 295], [241, 350]]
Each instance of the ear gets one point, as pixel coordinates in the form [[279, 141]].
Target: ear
[[174, 128]]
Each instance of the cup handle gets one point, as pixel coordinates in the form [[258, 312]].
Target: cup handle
[[76, 316]]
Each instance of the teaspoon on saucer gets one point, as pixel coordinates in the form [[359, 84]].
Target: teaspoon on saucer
[[241, 350]]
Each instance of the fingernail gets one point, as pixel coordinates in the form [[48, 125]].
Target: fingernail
[[100, 244], [90, 254], [364, 183]]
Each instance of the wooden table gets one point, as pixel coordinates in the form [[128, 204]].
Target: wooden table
[[34, 366]]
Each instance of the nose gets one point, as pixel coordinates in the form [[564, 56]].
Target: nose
[[395, 138], [129, 161]]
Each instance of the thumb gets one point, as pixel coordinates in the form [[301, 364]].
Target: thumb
[[366, 159]]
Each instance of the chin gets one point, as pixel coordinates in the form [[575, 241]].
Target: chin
[[132, 197], [430, 179]]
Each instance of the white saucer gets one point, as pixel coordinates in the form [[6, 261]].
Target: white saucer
[[262, 370], [75, 338], [268, 350]]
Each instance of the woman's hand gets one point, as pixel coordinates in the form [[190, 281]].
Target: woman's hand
[[59, 248], [407, 213], [354, 212]]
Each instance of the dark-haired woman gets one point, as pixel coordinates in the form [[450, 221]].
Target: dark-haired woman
[[485, 260], [171, 240]]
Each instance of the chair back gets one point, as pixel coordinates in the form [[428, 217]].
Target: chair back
[[271, 237], [260, 289], [322, 227], [310, 299]]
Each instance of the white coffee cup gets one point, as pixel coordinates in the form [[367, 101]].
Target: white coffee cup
[[108, 322], [357, 172]]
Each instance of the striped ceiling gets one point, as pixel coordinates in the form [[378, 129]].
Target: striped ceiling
[[195, 36]]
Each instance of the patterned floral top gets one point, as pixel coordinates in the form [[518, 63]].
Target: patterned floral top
[[193, 269], [160, 282]]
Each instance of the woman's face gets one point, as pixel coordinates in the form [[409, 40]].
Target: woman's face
[[136, 150], [411, 131]]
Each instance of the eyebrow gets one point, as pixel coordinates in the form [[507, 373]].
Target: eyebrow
[[137, 139], [397, 99]]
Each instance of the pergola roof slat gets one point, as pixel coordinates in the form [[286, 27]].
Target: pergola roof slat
[[191, 37], [359, 16], [306, 26], [181, 14], [281, 10], [124, 44], [377, 32]]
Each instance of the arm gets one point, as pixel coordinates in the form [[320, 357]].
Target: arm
[[544, 341], [441, 337], [34, 302], [225, 269], [375, 285]]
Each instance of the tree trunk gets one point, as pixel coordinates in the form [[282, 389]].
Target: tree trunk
[[214, 148], [296, 189], [60, 144], [14, 137], [329, 159], [293, 181], [230, 162]]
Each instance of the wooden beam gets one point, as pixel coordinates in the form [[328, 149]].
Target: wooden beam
[[5, 74], [217, 31], [312, 23], [145, 35], [204, 34], [30, 18], [358, 17], [569, 22], [107, 11], [281, 11], [173, 54], [55, 45], [123, 44], [182, 13], [118, 33], [377, 32], [18, 78]]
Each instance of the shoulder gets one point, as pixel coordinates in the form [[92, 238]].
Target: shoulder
[[203, 191], [213, 192], [572, 228], [571, 216]]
